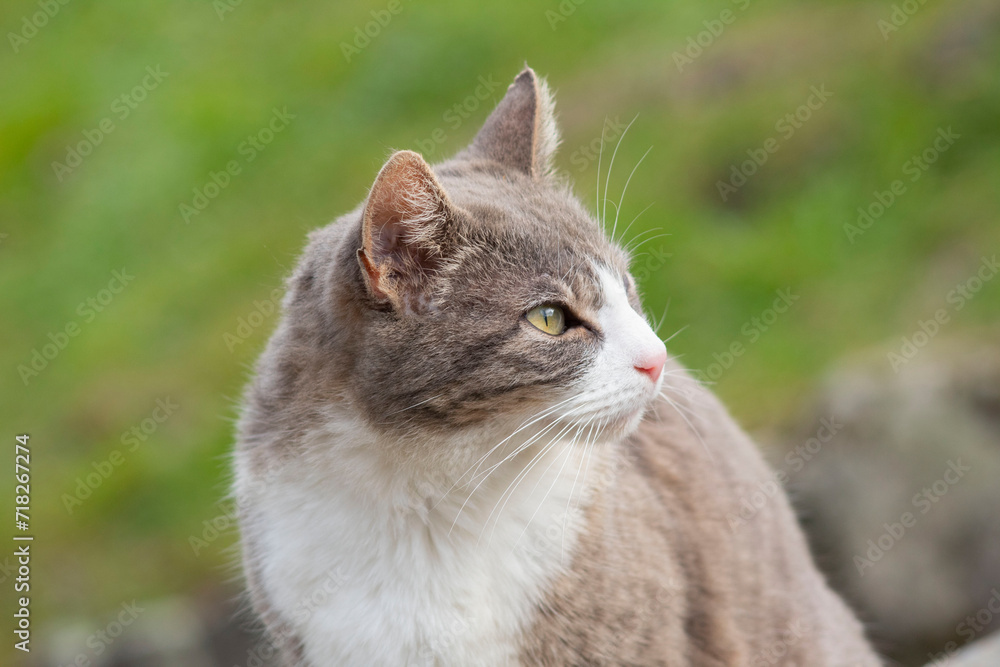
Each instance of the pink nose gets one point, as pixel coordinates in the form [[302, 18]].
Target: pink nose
[[652, 365]]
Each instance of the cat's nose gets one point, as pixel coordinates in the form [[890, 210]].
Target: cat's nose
[[651, 364]]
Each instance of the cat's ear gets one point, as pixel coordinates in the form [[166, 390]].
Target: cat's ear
[[403, 232], [521, 132]]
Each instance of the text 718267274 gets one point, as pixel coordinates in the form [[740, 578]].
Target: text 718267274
[[22, 583]]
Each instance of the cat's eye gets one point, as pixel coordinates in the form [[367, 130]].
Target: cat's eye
[[548, 318]]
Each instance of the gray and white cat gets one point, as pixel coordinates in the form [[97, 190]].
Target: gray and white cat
[[465, 445]]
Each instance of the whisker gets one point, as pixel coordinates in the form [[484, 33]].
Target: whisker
[[541, 414], [676, 333], [568, 450], [509, 492], [625, 231], [607, 181], [597, 193], [584, 462], [426, 400], [613, 204], [625, 189], [486, 476], [523, 446], [690, 425], [520, 448], [682, 391], [504, 497], [663, 317], [638, 236], [632, 248]]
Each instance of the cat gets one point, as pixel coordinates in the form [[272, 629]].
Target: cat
[[465, 445]]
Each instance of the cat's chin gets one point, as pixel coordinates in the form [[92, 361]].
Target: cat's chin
[[629, 424], [623, 423]]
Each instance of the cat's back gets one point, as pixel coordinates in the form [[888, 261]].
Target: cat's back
[[668, 571]]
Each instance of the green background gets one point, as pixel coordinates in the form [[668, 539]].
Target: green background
[[165, 335]]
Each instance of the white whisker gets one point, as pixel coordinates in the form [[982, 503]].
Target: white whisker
[[584, 463], [541, 414], [675, 334], [663, 317], [597, 194], [607, 181], [625, 231], [509, 492], [426, 400], [632, 248], [568, 451], [690, 425], [490, 471], [625, 189]]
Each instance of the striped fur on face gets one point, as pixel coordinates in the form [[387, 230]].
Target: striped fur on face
[[469, 353], [413, 306]]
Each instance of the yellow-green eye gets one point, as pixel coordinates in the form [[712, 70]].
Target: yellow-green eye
[[547, 318]]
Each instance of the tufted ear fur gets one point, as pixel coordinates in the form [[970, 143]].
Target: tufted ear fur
[[521, 132], [403, 232]]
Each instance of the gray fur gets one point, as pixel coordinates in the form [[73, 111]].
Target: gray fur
[[408, 311]]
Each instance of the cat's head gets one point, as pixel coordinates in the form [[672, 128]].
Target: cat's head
[[478, 291]]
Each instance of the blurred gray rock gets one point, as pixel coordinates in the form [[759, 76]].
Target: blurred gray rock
[[203, 630], [984, 653], [902, 504]]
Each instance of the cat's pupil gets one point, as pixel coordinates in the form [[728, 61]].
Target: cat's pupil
[[548, 318]]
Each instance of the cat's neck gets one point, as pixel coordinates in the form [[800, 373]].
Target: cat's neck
[[469, 492], [447, 551]]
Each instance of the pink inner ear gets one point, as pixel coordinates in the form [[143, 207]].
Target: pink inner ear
[[387, 237], [402, 229], [521, 131]]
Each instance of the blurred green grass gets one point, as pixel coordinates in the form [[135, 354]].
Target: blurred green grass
[[164, 334]]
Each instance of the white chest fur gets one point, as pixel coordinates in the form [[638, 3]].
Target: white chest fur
[[370, 569]]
